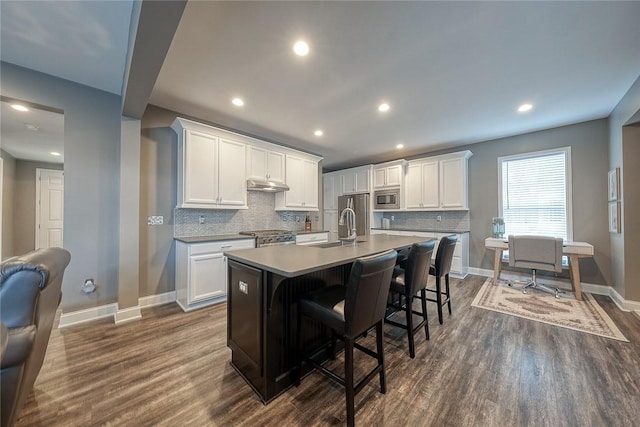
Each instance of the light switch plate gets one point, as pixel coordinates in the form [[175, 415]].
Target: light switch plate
[[155, 220]]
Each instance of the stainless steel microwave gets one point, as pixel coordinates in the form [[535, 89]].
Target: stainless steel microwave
[[387, 199]]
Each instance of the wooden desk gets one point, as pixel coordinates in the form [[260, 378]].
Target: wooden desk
[[574, 250]]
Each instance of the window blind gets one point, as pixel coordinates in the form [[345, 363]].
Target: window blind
[[534, 194]]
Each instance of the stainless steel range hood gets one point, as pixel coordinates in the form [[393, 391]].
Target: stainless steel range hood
[[265, 185]]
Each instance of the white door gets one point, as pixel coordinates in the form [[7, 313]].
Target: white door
[[329, 199], [310, 184], [394, 175], [379, 177], [430, 187], [232, 188], [208, 276], [49, 208], [362, 181], [295, 181], [414, 186], [452, 183], [275, 166], [200, 178]]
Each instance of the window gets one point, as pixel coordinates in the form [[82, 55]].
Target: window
[[535, 193]]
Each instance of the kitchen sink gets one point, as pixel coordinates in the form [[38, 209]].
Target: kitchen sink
[[335, 244]]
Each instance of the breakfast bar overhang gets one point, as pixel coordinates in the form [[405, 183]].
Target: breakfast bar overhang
[[264, 286]]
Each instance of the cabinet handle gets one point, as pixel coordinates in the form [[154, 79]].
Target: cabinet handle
[[226, 246]]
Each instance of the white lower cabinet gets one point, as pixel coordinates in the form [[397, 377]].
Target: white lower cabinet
[[460, 261], [201, 271], [312, 238]]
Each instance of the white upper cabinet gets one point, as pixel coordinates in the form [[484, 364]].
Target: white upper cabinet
[[331, 190], [453, 183], [422, 190], [301, 175], [232, 184], [438, 183], [210, 168], [356, 180], [388, 174], [265, 164]]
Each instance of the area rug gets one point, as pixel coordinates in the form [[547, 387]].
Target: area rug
[[566, 311]]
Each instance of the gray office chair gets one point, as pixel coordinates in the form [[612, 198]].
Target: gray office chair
[[536, 253]]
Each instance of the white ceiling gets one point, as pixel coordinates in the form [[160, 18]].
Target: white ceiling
[[46, 134], [453, 72], [82, 41]]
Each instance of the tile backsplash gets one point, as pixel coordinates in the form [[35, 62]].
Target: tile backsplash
[[261, 215], [449, 220]]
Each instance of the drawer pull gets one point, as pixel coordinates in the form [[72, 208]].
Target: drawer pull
[[226, 247]]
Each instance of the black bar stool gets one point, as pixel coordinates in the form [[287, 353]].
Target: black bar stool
[[440, 269], [407, 282], [350, 311]]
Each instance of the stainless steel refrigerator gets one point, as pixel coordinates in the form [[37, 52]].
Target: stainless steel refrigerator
[[361, 207]]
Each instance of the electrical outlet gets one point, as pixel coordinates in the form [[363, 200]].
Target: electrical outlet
[[393, 217], [244, 288], [201, 219], [297, 219], [155, 220], [439, 218]]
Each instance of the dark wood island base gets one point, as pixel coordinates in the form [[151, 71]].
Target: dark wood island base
[[263, 289]]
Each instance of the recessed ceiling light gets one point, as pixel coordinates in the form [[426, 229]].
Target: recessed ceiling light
[[318, 132], [384, 107], [55, 153], [19, 107], [524, 108], [301, 48], [238, 102], [399, 146]]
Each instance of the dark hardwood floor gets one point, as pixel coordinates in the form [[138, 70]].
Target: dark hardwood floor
[[479, 368]]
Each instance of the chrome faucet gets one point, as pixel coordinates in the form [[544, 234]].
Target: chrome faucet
[[351, 222]]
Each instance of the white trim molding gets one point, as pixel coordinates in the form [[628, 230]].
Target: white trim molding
[[127, 314], [111, 310], [87, 315], [159, 299]]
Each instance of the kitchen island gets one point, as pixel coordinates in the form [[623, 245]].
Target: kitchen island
[[264, 286]]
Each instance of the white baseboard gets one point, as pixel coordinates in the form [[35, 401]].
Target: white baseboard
[[127, 315], [624, 304], [159, 299], [111, 310], [592, 288], [87, 315], [480, 272]]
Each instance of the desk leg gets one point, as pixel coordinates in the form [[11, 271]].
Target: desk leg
[[574, 270], [497, 262]]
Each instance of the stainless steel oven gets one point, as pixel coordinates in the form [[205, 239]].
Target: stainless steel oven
[[387, 199]]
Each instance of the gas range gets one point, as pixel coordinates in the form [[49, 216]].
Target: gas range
[[272, 237]]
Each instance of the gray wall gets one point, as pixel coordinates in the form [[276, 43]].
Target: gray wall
[[24, 202], [621, 257], [158, 177], [631, 210], [588, 142], [92, 136], [8, 184]]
